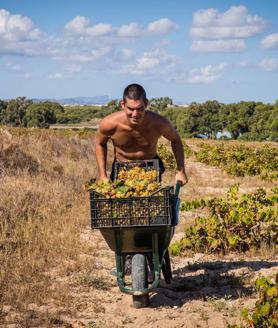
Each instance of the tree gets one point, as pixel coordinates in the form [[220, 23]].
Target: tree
[[236, 117], [15, 111], [160, 104], [3, 106], [264, 122], [114, 105], [57, 108], [39, 115], [201, 119]]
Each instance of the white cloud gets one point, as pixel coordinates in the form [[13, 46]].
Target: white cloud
[[244, 63], [156, 61], [81, 53], [80, 26], [19, 36], [102, 46], [128, 53], [227, 29], [27, 76], [100, 30], [56, 76], [131, 30], [14, 67], [73, 68], [270, 41], [207, 74], [270, 64], [218, 45], [161, 26], [14, 28]]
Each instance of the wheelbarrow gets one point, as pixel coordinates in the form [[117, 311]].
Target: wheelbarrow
[[140, 228]]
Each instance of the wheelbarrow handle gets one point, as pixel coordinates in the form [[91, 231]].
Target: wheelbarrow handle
[[177, 189]]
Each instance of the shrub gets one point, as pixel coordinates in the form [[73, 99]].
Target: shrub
[[233, 224]]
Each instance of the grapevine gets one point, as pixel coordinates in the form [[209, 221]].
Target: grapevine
[[167, 157], [239, 160], [237, 223]]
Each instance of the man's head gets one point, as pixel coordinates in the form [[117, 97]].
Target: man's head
[[135, 92], [134, 103]]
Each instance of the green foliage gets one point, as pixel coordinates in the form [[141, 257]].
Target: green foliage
[[13, 114], [265, 313], [160, 104], [187, 150], [194, 204], [167, 157], [77, 114], [233, 224], [114, 105], [200, 119], [236, 118], [239, 160], [245, 120], [40, 115], [3, 106]]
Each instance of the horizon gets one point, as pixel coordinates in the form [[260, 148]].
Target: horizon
[[175, 103], [190, 52]]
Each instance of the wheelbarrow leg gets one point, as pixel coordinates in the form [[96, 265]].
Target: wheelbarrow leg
[[166, 267]]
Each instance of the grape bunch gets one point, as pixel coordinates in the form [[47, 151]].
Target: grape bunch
[[134, 182]]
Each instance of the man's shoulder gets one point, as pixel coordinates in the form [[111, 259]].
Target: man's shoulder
[[155, 117], [110, 122], [112, 117]]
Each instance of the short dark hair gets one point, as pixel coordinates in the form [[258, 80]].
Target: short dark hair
[[135, 92]]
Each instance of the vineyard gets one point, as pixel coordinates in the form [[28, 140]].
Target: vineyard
[[55, 271], [239, 160], [237, 223]]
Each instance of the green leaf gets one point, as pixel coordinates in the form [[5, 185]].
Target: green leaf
[[234, 239], [272, 292], [264, 309], [122, 189], [245, 314]]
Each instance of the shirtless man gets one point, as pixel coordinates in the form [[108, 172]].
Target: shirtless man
[[134, 132]]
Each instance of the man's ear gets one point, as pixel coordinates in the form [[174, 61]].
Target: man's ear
[[146, 103], [122, 104]]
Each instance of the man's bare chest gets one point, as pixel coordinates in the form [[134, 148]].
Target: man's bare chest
[[125, 138]]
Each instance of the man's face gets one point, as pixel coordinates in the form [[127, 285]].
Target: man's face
[[134, 110]]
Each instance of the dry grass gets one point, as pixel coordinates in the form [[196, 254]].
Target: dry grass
[[43, 210]]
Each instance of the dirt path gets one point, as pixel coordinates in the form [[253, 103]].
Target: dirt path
[[206, 291]]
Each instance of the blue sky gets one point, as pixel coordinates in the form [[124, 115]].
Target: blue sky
[[187, 50]]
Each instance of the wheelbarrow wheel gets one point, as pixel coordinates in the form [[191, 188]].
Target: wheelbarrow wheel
[[139, 280]]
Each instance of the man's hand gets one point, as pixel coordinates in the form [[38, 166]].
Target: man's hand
[[103, 178], [181, 178]]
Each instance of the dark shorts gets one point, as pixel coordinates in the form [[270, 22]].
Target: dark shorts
[[161, 168]]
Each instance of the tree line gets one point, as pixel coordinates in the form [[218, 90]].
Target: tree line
[[247, 120]]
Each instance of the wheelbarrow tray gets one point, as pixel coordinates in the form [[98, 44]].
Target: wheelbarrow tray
[[138, 239]]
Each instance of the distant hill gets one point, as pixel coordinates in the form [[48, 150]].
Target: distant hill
[[97, 100]]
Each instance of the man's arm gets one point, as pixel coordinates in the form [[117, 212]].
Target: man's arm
[[102, 137], [170, 133]]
